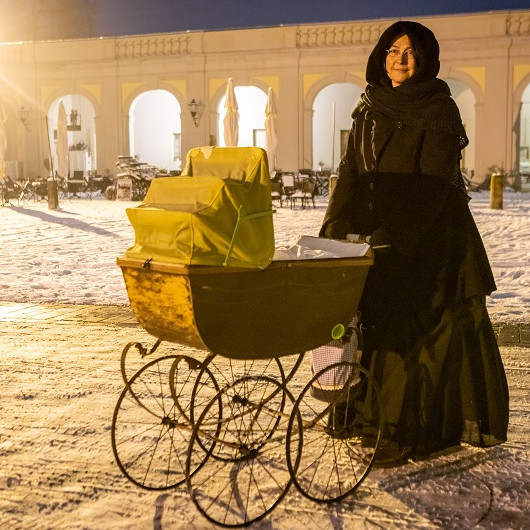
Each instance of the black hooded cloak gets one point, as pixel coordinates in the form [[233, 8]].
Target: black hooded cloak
[[428, 339]]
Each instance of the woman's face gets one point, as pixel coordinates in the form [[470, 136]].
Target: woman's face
[[400, 63]]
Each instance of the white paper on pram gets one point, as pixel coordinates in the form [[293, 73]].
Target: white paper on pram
[[309, 247]]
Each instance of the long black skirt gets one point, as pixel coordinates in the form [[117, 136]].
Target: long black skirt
[[450, 387]]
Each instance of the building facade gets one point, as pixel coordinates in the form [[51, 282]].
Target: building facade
[[485, 58]]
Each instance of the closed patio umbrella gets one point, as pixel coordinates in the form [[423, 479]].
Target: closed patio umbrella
[[231, 119], [270, 129], [3, 142], [62, 143]]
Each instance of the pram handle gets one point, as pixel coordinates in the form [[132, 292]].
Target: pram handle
[[359, 238]]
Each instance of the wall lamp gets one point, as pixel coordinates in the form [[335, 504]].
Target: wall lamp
[[23, 115], [196, 110]]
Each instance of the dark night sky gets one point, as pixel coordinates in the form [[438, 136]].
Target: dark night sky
[[129, 17]]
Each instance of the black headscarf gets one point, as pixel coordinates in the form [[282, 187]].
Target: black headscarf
[[422, 100]]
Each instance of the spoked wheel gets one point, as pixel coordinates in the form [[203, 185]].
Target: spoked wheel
[[193, 386], [226, 371], [150, 433], [332, 453], [243, 475]]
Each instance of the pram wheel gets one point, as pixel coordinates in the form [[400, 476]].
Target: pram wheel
[[150, 432], [243, 475], [331, 454], [193, 386], [227, 371]]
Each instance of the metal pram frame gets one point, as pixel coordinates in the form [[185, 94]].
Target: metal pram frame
[[234, 422]]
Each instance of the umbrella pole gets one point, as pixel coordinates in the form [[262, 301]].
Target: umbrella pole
[[53, 195], [333, 138], [50, 149]]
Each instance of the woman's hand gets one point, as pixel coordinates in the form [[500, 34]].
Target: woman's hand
[[380, 239]]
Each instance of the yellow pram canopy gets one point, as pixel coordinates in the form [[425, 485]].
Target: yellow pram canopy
[[219, 212]]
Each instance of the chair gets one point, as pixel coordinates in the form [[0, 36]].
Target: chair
[[24, 190], [322, 179], [39, 188], [77, 184], [305, 194], [304, 174], [308, 172], [8, 190], [62, 186], [13, 190], [276, 192], [288, 187], [94, 186]]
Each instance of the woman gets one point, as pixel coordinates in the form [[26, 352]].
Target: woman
[[428, 339]]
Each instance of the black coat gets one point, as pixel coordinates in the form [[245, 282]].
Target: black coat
[[397, 182]]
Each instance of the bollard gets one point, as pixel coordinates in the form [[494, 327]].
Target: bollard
[[53, 195], [496, 191]]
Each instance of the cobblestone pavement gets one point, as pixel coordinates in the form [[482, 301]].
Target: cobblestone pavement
[[60, 381]]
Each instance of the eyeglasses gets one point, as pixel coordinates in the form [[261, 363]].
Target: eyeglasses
[[407, 54]]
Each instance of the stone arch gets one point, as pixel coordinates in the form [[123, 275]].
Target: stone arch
[[154, 133], [520, 89], [72, 90], [133, 94], [463, 77], [217, 95], [331, 79], [464, 96], [314, 152], [216, 113], [88, 108], [147, 87], [472, 117]]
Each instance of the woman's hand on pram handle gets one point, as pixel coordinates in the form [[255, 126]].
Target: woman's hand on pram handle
[[358, 238], [374, 241]]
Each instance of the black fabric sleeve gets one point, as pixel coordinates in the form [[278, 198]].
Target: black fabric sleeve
[[336, 221]]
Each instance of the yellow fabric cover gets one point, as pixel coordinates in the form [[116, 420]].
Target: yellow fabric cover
[[219, 212]]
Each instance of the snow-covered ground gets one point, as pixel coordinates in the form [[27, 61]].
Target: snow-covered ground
[[59, 384], [68, 255]]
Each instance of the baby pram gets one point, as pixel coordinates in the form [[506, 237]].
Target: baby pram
[[232, 420]]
